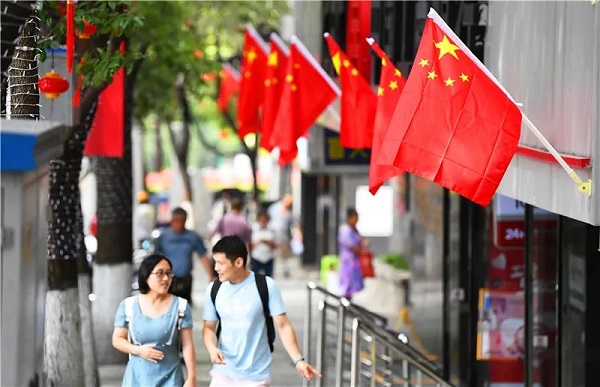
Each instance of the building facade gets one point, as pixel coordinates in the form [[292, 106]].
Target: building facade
[[503, 295]]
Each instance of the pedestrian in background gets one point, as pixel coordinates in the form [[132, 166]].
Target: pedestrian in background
[[152, 326], [179, 244], [242, 354], [144, 219], [281, 221], [234, 223], [263, 246], [350, 245]]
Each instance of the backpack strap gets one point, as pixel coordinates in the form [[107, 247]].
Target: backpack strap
[[263, 291], [129, 301], [213, 296], [181, 307]]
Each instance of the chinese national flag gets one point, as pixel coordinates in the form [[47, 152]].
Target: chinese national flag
[[106, 137], [453, 124], [276, 67], [253, 72], [307, 91], [230, 85], [358, 101], [391, 83]]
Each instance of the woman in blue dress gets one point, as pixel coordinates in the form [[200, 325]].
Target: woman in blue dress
[[156, 328], [350, 243]]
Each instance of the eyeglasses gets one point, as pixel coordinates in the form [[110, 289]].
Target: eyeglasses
[[161, 274]]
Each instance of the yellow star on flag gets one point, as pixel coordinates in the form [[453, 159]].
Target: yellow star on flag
[[346, 63], [431, 75], [294, 87], [380, 91], [393, 85], [289, 78], [267, 82], [464, 77], [251, 56], [446, 47], [272, 61], [449, 82], [354, 72], [398, 73], [337, 62], [424, 62], [383, 62]]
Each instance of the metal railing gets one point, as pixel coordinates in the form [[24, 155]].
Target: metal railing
[[355, 348]]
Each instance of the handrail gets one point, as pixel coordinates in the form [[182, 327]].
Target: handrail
[[364, 320]]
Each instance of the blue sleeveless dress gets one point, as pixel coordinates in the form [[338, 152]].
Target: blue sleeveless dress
[[162, 331]]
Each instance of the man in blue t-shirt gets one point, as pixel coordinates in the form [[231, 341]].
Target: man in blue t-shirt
[[178, 244], [242, 355]]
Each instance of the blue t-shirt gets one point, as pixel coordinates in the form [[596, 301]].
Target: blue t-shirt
[[178, 247], [243, 339]]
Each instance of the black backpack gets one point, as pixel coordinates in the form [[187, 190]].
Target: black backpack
[[263, 291]]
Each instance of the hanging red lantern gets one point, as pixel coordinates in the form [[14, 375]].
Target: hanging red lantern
[[52, 84], [89, 29]]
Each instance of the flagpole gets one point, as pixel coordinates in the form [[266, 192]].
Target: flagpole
[[584, 187]]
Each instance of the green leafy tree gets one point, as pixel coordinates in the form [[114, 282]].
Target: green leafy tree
[[64, 363]]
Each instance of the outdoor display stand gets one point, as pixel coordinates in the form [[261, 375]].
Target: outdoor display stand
[[26, 148]]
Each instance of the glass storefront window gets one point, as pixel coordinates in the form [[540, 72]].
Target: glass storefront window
[[573, 359], [545, 298], [426, 238]]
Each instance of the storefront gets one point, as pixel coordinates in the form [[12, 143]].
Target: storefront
[[505, 296]]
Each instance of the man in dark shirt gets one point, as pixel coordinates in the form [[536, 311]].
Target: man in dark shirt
[[178, 244]]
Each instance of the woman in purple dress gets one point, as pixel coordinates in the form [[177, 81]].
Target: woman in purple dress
[[350, 243]]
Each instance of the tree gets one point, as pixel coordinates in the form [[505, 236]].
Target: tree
[[207, 35], [63, 353]]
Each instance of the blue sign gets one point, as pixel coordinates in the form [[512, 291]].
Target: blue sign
[[336, 154]]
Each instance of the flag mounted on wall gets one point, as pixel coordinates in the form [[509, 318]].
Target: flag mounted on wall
[[253, 71], [229, 86], [275, 77], [454, 124], [391, 84], [358, 101], [307, 91]]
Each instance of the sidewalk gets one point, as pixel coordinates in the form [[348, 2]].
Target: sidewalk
[[293, 291]]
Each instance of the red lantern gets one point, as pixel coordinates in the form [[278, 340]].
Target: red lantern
[[88, 30], [52, 84]]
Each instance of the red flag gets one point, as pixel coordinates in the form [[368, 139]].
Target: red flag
[[454, 124], [391, 83], [106, 134], [230, 85], [276, 67], [307, 91], [358, 101], [253, 71]]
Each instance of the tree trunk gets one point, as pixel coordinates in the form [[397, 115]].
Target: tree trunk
[[22, 97], [112, 264], [181, 147], [63, 354], [90, 363], [158, 150], [181, 151]]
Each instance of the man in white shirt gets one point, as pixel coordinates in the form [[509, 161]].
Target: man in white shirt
[[263, 246], [144, 219]]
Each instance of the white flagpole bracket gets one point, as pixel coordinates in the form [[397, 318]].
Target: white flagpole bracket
[[584, 187]]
